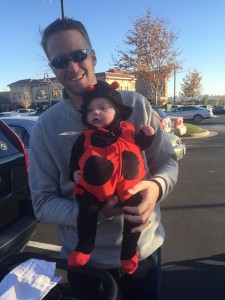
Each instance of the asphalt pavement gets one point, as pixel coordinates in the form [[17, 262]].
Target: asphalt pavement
[[193, 254]]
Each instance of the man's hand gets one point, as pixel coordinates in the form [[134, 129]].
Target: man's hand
[[110, 209], [140, 214]]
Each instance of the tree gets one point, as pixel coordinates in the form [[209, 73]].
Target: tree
[[24, 99], [192, 84], [205, 99], [151, 56]]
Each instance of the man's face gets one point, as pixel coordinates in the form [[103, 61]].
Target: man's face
[[75, 77]]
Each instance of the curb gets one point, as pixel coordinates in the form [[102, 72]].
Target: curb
[[206, 133]]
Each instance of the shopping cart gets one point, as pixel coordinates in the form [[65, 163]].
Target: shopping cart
[[63, 291]]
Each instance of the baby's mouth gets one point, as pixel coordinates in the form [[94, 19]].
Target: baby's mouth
[[96, 120]]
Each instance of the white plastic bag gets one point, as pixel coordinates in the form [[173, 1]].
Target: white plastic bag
[[31, 280]]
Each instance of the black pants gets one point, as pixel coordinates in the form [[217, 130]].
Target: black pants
[[89, 208], [143, 284]]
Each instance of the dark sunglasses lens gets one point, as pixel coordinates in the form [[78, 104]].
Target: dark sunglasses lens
[[60, 62], [79, 56]]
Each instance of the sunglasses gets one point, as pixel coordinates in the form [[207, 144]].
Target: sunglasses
[[77, 56]]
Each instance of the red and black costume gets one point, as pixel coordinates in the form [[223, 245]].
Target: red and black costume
[[110, 162]]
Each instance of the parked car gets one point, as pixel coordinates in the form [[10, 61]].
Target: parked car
[[171, 123], [22, 125], [178, 145], [191, 112], [219, 110], [26, 111], [8, 114], [165, 120], [174, 106], [208, 106], [17, 220], [178, 125]]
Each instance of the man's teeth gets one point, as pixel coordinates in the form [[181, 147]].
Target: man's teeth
[[77, 77]]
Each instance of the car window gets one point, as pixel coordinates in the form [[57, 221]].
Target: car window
[[22, 133], [189, 108], [161, 113]]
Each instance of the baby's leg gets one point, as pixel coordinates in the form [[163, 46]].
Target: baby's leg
[[89, 208], [129, 253]]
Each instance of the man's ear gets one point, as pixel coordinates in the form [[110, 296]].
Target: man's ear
[[93, 58]]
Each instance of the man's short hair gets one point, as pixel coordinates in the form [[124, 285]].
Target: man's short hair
[[60, 25]]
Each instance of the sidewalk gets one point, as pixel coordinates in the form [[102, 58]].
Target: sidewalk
[[204, 134]]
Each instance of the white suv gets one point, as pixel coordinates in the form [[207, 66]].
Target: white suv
[[26, 111]]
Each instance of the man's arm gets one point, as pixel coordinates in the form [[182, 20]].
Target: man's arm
[[44, 177], [161, 161]]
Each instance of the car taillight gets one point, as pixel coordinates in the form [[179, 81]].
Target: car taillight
[[178, 123], [162, 123]]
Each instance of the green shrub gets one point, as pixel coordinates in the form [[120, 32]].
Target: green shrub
[[193, 129]]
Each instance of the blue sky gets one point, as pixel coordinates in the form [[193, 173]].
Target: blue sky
[[200, 23]]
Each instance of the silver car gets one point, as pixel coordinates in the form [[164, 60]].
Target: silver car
[[178, 145], [191, 112], [165, 120]]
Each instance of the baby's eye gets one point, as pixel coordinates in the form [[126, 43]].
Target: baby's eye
[[104, 107]]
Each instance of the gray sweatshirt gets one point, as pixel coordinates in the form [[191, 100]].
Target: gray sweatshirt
[[52, 192]]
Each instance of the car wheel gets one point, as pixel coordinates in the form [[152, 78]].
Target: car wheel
[[197, 118]]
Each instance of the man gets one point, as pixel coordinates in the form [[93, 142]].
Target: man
[[72, 59]]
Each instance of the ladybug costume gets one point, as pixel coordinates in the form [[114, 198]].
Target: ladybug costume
[[110, 162]]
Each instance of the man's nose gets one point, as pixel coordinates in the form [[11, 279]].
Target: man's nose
[[73, 66]]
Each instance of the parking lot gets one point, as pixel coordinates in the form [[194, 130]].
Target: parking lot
[[193, 255]]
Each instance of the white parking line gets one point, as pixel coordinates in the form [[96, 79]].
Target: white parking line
[[44, 246]]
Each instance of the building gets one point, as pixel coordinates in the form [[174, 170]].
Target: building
[[162, 98], [5, 101], [43, 93], [126, 81]]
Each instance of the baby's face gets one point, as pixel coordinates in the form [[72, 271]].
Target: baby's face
[[100, 112]]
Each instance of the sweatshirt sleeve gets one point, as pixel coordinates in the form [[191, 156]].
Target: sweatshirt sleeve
[[49, 203], [160, 156]]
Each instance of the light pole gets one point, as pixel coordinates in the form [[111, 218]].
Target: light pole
[[174, 96], [62, 6]]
